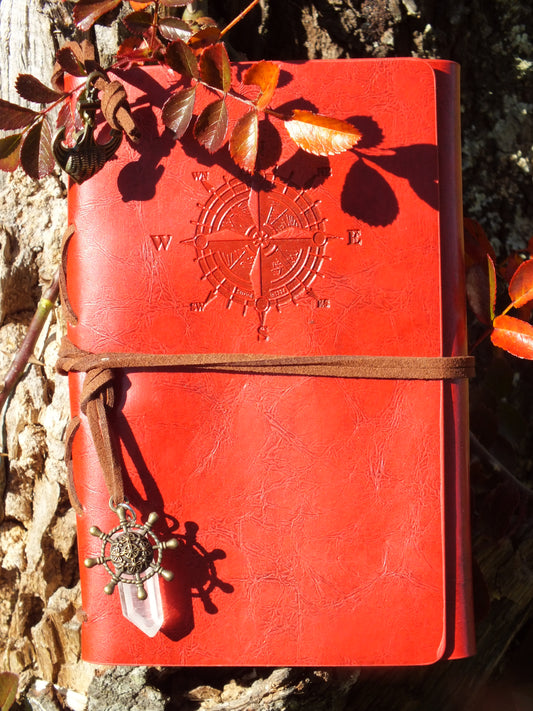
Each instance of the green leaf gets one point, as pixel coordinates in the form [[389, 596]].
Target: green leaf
[[177, 111], [31, 89], [173, 28], [13, 116], [182, 59], [8, 690], [86, 12], [321, 135], [243, 142], [36, 155], [215, 69], [211, 126]]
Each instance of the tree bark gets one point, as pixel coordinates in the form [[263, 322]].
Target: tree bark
[[39, 593]]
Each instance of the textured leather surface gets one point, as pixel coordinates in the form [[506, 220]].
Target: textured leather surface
[[323, 521]]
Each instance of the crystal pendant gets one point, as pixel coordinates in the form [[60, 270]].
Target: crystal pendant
[[145, 614]]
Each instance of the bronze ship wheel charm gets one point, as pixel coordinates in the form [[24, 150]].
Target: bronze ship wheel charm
[[86, 157], [131, 553]]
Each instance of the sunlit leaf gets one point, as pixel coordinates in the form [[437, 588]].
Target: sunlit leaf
[[177, 111], [513, 335], [521, 286], [138, 22], [173, 28], [481, 290], [36, 155], [10, 152], [265, 75], [244, 141], [31, 89], [211, 126], [215, 68], [13, 116], [321, 135], [134, 50], [182, 59], [86, 12], [8, 690], [72, 63], [204, 37]]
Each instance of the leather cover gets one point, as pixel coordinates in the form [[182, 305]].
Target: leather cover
[[323, 521]]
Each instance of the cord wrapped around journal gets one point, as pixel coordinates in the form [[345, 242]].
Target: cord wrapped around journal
[[278, 369]]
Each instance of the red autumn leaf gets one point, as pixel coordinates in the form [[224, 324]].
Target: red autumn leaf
[[521, 286], [513, 335], [36, 155], [134, 50], [172, 28], [477, 244], [31, 89], [86, 12], [204, 37], [265, 75], [321, 135], [13, 116], [180, 57], [211, 126], [243, 142], [481, 290], [10, 152], [215, 68], [177, 111], [71, 62], [139, 5], [138, 22]]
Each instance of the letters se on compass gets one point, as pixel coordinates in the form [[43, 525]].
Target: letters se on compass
[[261, 245]]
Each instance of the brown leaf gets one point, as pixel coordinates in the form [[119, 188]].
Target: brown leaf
[[243, 142], [265, 75], [513, 335], [86, 12], [215, 69], [204, 37], [31, 89], [8, 690], [71, 62], [481, 290], [36, 155], [173, 28], [174, 3], [10, 152], [321, 135], [177, 111], [211, 126], [521, 286], [13, 116], [180, 57], [138, 22]]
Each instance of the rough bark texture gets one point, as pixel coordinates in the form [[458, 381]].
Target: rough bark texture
[[39, 596]]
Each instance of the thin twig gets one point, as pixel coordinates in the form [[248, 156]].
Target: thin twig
[[25, 352], [239, 17], [497, 465]]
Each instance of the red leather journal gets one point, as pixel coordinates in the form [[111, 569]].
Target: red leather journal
[[322, 520]]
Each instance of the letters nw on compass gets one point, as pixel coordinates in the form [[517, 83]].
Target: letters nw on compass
[[261, 248]]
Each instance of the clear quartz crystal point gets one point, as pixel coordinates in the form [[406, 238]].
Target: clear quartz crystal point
[[146, 614]]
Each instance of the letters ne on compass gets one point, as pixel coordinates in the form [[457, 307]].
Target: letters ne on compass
[[259, 248]]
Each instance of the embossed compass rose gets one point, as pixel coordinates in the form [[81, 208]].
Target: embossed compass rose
[[262, 247]]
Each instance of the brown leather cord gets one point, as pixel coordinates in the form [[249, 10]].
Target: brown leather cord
[[70, 316], [98, 395]]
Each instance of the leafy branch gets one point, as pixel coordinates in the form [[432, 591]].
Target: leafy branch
[[190, 46]]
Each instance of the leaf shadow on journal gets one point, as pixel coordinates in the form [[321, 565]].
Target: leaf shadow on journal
[[193, 565]]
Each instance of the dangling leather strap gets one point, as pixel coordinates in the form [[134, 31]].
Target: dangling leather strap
[[98, 395]]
